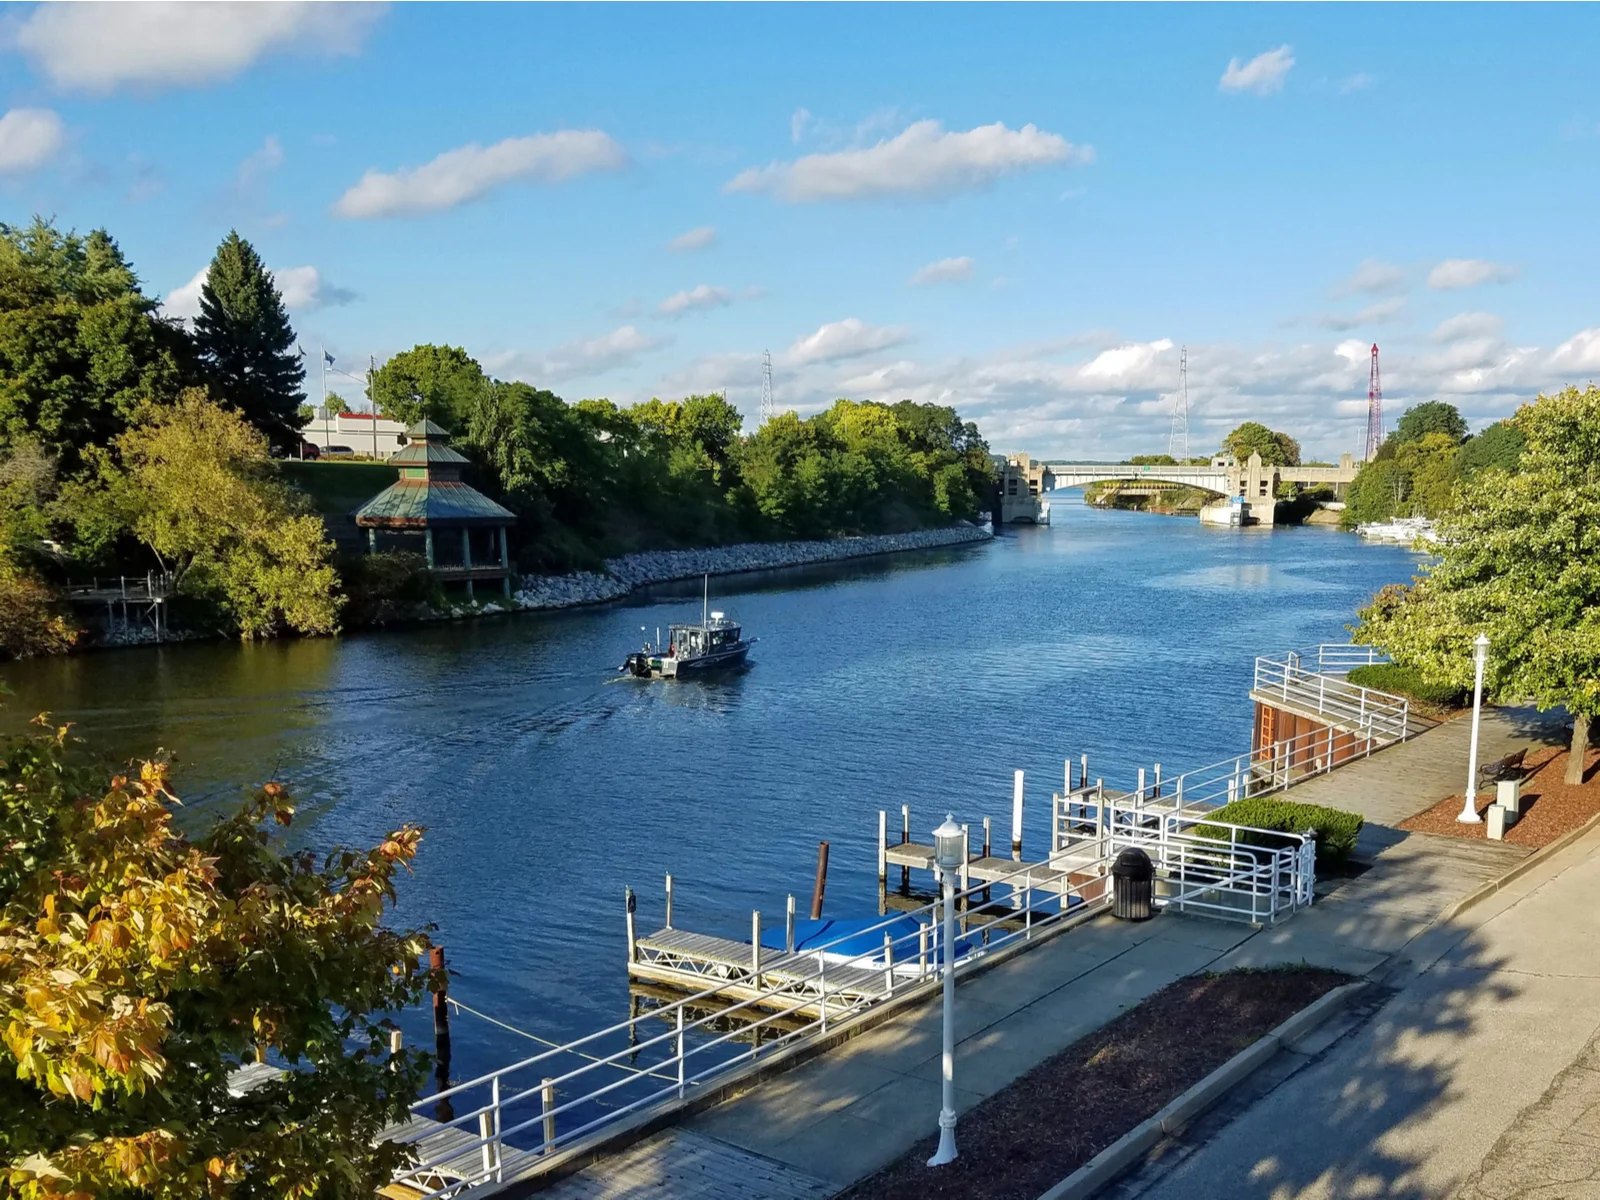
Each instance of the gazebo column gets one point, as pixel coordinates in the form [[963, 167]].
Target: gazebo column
[[466, 555], [372, 539], [505, 563], [427, 544]]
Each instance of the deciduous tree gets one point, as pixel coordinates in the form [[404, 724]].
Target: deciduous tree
[[1519, 560], [1431, 416], [139, 967], [246, 344], [440, 383], [1276, 449]]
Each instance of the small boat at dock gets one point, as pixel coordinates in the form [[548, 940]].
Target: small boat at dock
[[715, 644]]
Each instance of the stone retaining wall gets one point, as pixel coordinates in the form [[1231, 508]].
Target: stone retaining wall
[[663, 566]]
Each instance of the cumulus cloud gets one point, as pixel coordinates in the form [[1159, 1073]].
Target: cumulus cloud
[[701, 238], [1263, 74], [1375, 278], [1358, 82], [469, 172], [304, 288], [580, 359], [1581, 352], [1467, 325], [946, 270], [1372, 314], [185, 301], [702, 296], [925, 160], [1456, 273], [798, 124], [29, 138], [259, 163], [99, 47], [838, 340]]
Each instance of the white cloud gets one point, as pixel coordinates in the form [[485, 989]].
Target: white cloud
[[1358, 82], [1262, 75], [701, 238], [99, 47], [1126, 363], [304, 288], [798, 124], [1456, 273], [580, 359], [924, 160], [946, 270], [1580, 352], [29, 138], [185, 301], [1467, 325], [838, 340], [702, 296], [268, 158], [1374, 277], [1372, 314], [469, 172]]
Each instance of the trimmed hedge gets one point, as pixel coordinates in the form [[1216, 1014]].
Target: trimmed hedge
[[1405, 681], [1336, 829]]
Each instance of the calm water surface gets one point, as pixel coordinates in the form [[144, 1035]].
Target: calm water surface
[[547, 784]]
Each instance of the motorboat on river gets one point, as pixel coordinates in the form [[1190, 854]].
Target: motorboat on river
[[715, 644]]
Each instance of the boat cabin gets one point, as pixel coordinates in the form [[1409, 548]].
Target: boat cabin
[[691, 641]]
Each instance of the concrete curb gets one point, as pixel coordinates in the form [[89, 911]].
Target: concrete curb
[[1138, 1141], [1534, 860]]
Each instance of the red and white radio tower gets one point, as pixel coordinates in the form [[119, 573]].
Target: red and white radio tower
[[1374, 409]]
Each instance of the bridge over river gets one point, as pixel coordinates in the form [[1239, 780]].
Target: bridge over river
[[1246, 492]]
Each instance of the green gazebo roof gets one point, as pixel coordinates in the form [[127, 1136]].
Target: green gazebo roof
[[427, 429], [419, 452], [416, 503]]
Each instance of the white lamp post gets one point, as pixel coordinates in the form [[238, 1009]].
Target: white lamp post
[[1469, 810], [949, 847]]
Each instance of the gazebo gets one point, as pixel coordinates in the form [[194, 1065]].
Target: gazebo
[[462, 531]]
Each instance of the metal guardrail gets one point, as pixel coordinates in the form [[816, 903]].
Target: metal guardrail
[[152, 585], [1340, 658], [1333, 697]]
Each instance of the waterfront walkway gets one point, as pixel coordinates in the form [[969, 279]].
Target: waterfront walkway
[[851, 1111]]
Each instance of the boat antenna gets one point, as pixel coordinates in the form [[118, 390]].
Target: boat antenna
[[705, 603]]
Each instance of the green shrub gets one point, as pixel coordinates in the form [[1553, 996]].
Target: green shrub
[[1336, 829], [1405, 681]]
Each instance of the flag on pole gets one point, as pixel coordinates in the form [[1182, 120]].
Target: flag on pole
[[327, 358]]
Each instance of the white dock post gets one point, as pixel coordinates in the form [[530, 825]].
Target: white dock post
[[755, 947], [1085, 764], [1237, 771], [1099, 806], [486, 1132], [883, 849], [669, 900], [547, 1104], [986, 836], [1066, 776], [1016, 817], [1179, 797], [1233, 790], [922, 952], [788, 926], [966, 859], [1139, 803], [1158, 782], [888, 965], [633, 938], [680, 1052], [1027, 909]]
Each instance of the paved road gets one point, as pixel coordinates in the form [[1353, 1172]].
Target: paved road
[[1491, 1032]]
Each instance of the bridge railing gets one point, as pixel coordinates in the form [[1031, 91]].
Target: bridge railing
[[1332, 697]]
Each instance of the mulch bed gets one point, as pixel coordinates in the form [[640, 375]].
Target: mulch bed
[[1029, 1136], [1550, 807]]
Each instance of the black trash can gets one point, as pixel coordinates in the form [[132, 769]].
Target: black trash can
[[1132, 877]]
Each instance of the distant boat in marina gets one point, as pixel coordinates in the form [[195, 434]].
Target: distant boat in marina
[[715, 644], [1405, 530]]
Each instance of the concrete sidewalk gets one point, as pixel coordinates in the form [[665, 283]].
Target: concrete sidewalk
[[1479, 1073]]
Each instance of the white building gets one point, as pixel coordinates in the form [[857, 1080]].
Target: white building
[[363, 434]]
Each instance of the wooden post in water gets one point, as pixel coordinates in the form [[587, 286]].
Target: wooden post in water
[[441, 1005], [630, 903], [905, 837], [1016, 817], [669, 901], [788, 926], [822, 881]]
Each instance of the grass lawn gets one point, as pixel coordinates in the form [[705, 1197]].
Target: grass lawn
[[338, 488]]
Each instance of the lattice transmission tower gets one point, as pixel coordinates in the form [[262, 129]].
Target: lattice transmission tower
[[1374, 409], [1178, 441], [767, 409]]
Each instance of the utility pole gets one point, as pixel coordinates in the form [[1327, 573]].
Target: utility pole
[[1374, 409], [372, 402], [767, 412], [1178, 440]]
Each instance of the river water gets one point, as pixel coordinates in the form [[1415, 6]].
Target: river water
[[547, 783]]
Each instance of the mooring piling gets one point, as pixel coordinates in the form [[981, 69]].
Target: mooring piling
[[630, 903], [788, 925], [1016, 817], [755, 946], [883, 850], [905, 839], [822, 881], [669, 900]]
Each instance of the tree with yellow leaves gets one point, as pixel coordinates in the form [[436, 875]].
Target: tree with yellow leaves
[[140, 967]]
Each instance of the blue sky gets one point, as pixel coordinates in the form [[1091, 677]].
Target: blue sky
[[1020, 211]]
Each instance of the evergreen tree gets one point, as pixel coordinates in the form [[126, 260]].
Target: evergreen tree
[[246, 344]]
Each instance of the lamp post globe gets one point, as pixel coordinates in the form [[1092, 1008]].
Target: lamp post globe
[[949, 850], [1480, 655]]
